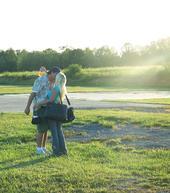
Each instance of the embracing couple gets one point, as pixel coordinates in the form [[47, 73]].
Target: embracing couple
[[50, 87]]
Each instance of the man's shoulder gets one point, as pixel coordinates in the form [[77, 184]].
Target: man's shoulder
[[42, 78]]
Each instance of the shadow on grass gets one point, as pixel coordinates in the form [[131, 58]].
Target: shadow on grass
[[24, 164], [16, 139]]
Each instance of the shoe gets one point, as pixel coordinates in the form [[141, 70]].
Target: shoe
[[63, 154], [55, 154], [47, 152], [44, 149], [40, 152]]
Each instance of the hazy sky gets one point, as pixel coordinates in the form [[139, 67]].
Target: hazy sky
[[41, 24]]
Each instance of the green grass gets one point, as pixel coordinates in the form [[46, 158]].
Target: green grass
[[110, 117], [122, 70], [91, 167], [17, 78], [25, 89], [9, 89], [165, 101], [130, 77]]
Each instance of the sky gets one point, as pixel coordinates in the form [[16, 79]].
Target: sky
[[42, 24]]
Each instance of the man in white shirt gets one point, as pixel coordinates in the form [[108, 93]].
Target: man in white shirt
[[39, 93]]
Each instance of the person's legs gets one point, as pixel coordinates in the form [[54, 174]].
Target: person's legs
[[41, 133], [54, 134], [62, 144], [39, 138], [44, 140]]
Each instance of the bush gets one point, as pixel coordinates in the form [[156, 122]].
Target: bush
[[74, 70]]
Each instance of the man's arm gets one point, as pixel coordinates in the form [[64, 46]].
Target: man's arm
[[44, 102], [31, 97]]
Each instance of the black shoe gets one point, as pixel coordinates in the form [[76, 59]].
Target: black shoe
[[54, 155], [59, 154], [64, 154]]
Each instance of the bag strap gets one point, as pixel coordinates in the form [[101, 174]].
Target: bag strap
[[68, 101]]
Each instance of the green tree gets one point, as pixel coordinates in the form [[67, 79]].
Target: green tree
[[8, 60]]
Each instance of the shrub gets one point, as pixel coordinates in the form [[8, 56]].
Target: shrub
[[74, 70]]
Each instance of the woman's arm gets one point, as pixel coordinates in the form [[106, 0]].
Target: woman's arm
[[53, 96]]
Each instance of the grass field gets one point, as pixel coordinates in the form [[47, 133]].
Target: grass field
[[130, 77], [24, 89], [165, 101], [95, 80], [94, 166]]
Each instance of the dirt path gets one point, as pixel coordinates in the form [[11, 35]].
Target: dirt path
[[132, 135]]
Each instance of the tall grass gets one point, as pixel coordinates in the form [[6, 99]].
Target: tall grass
[[115, 77], [18, 78]]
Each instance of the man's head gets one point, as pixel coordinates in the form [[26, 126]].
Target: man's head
[[52, 73]]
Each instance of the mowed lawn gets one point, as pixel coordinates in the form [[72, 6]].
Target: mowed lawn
[[24, 89], [94, 166], [165, 101]]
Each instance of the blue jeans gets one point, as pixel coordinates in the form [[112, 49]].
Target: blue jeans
[[58, 140]]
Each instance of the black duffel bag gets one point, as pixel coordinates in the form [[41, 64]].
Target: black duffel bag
[[53, 111], [58, 112]]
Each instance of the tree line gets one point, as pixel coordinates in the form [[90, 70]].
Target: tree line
[[22, 60]]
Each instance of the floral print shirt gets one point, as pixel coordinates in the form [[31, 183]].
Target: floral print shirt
[[40, 87]]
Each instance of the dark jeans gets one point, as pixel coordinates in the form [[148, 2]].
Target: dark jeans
[[58, 140]]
